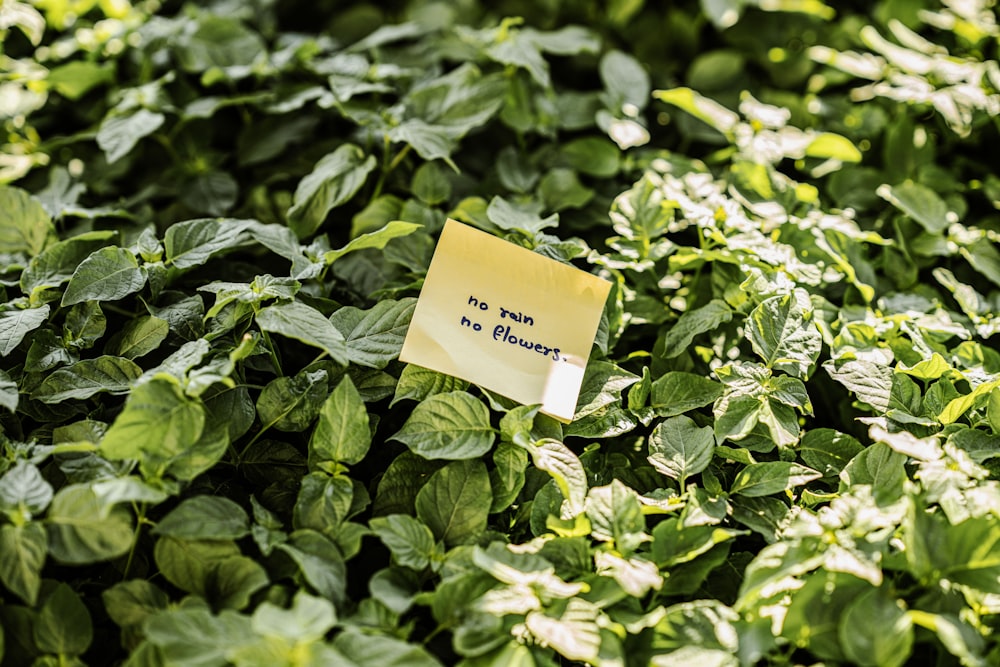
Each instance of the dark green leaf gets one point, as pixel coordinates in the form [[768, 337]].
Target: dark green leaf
[[678, 448], [304, 323], [410, 540], [107, 274], [454, 425], [876, 630], [141, 336], [9, 396], [416, 383], [16, 324], [828, 450], [455, 501], [119, 133], [918, 202], [676, 392], [764, 479], [64, 626], [342, 434], [24, 224], [205, 518], [291, 403], [375, 240], [193, 242], [320, 562], [84, 530], [87, 378], [22, 555], [158, 420], [333, 181], [56, 264], [692, 323], [781, 331], [374, 337]]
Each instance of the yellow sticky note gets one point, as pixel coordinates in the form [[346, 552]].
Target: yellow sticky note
[[507, 319]]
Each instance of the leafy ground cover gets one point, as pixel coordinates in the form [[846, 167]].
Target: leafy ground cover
[[215, 222]]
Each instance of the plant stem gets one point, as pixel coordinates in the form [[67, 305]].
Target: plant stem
[[140, 520]]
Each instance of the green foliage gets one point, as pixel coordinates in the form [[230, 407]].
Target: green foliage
[[215, 219]]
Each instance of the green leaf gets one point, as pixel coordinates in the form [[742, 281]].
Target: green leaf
[[676, 392], [675, 543], [129, 603], [870, 382], [827, 450], [9, 395], [416, 383], [594, 156], [16, 324], [342, 434], [574, 634], [410, 541], [140, 337], [120, 132], [22, 555], [158, 420], [919, 203], [87, 378], [625, 79], [24, 224], [603, 383], [431, 142], [76, 78], [875, 630], [107, 274], [291, 403], [455, 501], [816, 609], [324, 501], [926, 369], [430, 184], [507, 477], [82, 529], [678, 448], [196, 637], [764, 479], [220, 42], [304, 323], [615, 515], [375, 240], [193, 242], [56, 264], [961, 639], [333, 181], [454, 425], [375, 336], [781, 332], [967, 554], [23, 490], [566, 470], [398, 486], [382, 650], [708, 111], [320, 562], [205, 518], [308, 619], [984, 258], [690, 324], [63, 625], [881, 467], [959, 406], [829, 145]]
